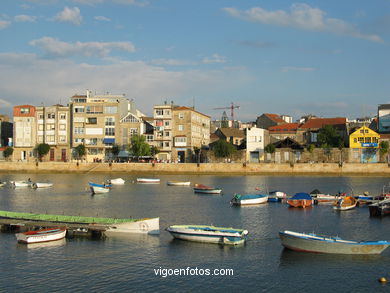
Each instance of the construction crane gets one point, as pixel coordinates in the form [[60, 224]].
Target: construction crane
[[232, 107]]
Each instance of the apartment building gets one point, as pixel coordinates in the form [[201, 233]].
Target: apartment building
[[53, 125], [179, 131], [24, 132], [96, 121]]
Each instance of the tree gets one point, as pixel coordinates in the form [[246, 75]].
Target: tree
[[329, 138], [383, 148], [79, 151], [223, 149], [154, 150], [139, 147], [41, 150], [269, 148], [310, 148], [8, 152]]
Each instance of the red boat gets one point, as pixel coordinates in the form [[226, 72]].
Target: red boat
[[300, 200]]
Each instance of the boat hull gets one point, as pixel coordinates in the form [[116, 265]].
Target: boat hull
[[117, 181], [300, 203], [214, 236], [21, 183], [208, 191], [148, 180], [320, 245], [260, 199], [41, 236], [97, 189], [147, 226], [178, 183], [42, 185]]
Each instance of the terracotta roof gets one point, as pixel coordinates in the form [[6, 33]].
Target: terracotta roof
[[213, 137], [320, 122], [287, 127], [275, 117], [235, 132]]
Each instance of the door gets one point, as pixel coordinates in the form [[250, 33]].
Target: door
[[181, 156], [254, 157], [23, 155], [63, 155], [51, 154]]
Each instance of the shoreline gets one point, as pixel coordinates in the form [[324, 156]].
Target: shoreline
[[272, 169]]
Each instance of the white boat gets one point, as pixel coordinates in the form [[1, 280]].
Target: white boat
[[21, 183], [148, 180], [327, 244], [41, 185], [249, 199], [346, 203], [209, 234], [99, 188], [147, 226], [2, 183], [42, 235], [117, 181], [179, 183]]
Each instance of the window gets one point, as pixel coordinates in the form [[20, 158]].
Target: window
[[50, 127], [24, 110], [62, 116], [40, 138], [131, 119], [181, 139], [149, 138], [181, 115], [159, 112], [50, 138], [92, 120], [91, 141], [79, 140], [110, 109], [79, 130], [40, 127], [355, 140], [94, 109], [110, 131], [110, 121], [166, 143], [166, 123], [166, 133], [62, 138], [79, 109], [82, 100], [181, 127], [41, 116], [51, 115], [133, 131], [167, 112], [62, 127]]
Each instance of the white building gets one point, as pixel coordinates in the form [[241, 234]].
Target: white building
[[256, 140]]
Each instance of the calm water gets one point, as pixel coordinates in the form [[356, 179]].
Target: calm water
[[127, 263]]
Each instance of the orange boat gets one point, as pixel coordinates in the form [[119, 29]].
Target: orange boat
[[300, 200]]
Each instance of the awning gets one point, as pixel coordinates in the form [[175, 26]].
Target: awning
[[109, 140]]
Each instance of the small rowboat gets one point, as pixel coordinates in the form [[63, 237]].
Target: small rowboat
[[148, 180], [117, 181], [300, 200], [42, 235], [41, 185], [99, 188], [249, 199], [327, 244], [21, 183], [200, 188], [179, 183], [209, 234], [2, 183], [346, 203]]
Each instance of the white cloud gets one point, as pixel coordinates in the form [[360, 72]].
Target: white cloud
[[4, 24], [52, 80], [293, 68], [301, 16], [102, 18], [171, 62], [54, 48], [215, 58], [71, 15], [25, 18]]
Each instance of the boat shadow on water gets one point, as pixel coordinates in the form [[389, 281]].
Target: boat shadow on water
[[46, 245]]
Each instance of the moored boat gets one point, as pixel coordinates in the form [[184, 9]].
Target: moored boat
[[300, 200], [43, 235], [249, 199], [41, 185], [2, 183], [380, 209], [209, 234], [179, 183], [320, 198], [99, 188], [116, 181], [200, 188], [21, 183], [327, 244], [346, 203], [148, 180]]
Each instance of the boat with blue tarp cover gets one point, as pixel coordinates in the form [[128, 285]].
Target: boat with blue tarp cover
[[209, 234], [249, 199], [300, 200], [329, 244], [99, 188]]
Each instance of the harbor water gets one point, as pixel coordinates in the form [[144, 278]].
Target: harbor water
[[146, 263]]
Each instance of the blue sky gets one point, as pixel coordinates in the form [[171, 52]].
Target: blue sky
[[328, 58]]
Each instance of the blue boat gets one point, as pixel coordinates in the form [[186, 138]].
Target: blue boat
[[99, 188]]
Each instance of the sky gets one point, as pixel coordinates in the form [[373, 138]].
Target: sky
[[327, 58]]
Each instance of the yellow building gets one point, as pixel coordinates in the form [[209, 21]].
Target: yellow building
[[364, 137]]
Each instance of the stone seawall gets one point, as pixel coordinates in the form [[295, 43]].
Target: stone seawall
[[209, 168]]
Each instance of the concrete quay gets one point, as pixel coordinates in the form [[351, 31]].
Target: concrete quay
[[378, 169]]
